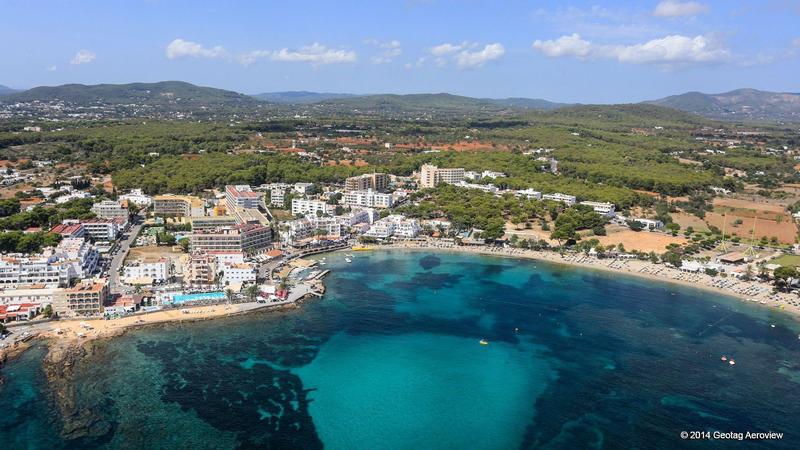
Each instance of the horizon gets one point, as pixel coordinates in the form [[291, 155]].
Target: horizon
[[631, 51]]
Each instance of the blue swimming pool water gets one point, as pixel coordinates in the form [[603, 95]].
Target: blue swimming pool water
[[178, 299]]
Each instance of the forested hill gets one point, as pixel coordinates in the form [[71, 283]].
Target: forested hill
[[161, 94], [738, 105], [622, 117]]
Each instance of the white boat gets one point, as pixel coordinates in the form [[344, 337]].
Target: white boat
[[348, 260], [732, 362]]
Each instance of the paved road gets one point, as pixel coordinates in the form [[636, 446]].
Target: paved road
[[120, 253]]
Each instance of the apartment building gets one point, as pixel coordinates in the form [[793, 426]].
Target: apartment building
[[431, 176], [147, 270], [372, 181], [109, 209], [136, 197], [105, 230], [238, 273], [85, 299], [304, 207], [242, 196], [178, 206], [277, 197], [201, 223], [529, 193], [248, 238], [367, 199], [201, 269], [72, 258]]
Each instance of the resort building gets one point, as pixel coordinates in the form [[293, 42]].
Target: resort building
[[248, 238], [178, 206], [602, 208], [371, 181], [242, 196], [314, 207], [85, 299], [147, 271], [201, 270], [568, 200], [72, 258], [431, 176], [489, 188], [367, 199], [238, 273], [69, 229], [394, 225]]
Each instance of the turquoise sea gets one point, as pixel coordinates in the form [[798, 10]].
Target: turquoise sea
[[390, 359]]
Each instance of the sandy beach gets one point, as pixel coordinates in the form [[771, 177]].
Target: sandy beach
[[753, 292]]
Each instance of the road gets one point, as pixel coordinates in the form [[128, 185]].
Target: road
[[120, 253]]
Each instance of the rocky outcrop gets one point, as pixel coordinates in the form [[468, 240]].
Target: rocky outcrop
[[60, 367]]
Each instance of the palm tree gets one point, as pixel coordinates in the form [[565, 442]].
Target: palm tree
[[230, 295], [251, 292]]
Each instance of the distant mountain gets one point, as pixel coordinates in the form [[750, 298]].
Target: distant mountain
[[5, 90], [425, 104], [300, 97], [172, 94], [739, 105], [527, 103]]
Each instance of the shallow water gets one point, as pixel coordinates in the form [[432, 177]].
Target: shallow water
[[390, 358]]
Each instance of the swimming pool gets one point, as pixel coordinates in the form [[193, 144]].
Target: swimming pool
[[178, 299]]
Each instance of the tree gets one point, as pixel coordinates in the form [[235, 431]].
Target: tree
[[672, 258], [2, 329], [251, 292], [635, 225], [48, 311], [230, 295], [673, 228]]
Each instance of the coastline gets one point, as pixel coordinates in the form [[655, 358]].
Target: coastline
[[742, 290]]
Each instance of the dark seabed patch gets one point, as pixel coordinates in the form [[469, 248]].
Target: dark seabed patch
[[391, 357]]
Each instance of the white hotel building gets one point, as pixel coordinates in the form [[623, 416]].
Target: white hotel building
[[568, 200], [304, 207], [394, 225], [367, 199], [602, 208]]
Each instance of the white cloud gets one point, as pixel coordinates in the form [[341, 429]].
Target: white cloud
[[315, 53], [572, 45], [796, 42], [181, 49], [52, 68], [675, 8], [466, 54], [669, 50], [389, 50], [446, 49], [83, 57], [468, 59]]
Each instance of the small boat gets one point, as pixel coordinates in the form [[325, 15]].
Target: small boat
[[348, 260], [724, 358], [484, 342], [763, 302], [732, 362], [772, 325]]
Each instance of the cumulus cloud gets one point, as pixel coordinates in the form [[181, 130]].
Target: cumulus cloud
[[465, 55], [675, 8], [446, 49], [389, 50], [315, 53], [83, 57], [471, 59], [180, 48], [669, 50]]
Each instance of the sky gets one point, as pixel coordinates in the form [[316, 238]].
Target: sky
[[602, 51]]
